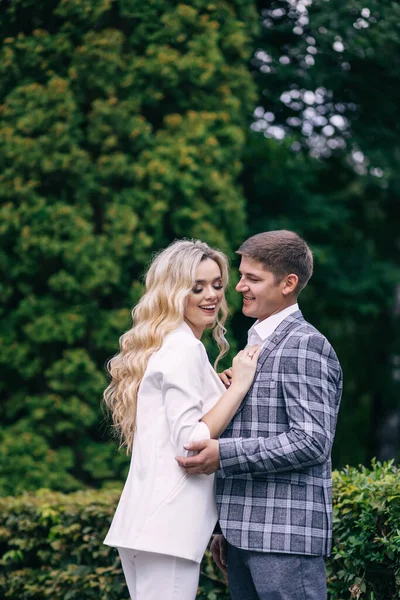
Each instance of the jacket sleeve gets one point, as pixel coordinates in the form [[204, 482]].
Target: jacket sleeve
[[182, 390], [311, 386]]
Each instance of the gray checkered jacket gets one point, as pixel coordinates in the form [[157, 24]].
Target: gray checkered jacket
[[274, 485]]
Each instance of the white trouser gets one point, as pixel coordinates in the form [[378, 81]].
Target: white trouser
[[151, 576]]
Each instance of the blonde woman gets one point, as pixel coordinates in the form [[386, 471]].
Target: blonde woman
[[164, 394]]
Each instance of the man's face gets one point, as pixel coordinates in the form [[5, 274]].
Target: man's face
[[262, 296]]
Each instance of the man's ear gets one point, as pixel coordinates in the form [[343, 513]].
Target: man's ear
[[289, 284]]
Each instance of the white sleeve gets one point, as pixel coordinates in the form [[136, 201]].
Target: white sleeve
[[183, 389]]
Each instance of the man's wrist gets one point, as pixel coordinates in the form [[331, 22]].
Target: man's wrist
[[229, 461]]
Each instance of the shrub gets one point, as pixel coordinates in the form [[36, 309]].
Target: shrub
[[366, 553], [51, 547], [51, 543]]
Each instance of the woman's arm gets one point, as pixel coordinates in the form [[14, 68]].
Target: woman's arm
[[183, 366], [243, 370], [182, 372]]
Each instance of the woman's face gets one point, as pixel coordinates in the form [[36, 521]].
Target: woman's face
[[205, 299]]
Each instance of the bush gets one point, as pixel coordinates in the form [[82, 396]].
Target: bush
[[51, 547], [366, 527], [51, 543]]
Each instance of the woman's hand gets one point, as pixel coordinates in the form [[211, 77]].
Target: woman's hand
[[243, 370], [226, 377], [244, 367]]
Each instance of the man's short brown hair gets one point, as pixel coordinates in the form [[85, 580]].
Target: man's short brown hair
[[282, 252]]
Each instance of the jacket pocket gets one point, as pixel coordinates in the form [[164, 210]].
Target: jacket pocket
[[172, 494], [175, 490], [265, 381], [293, 478]]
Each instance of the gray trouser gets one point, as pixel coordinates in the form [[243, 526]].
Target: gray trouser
[[264, 576]]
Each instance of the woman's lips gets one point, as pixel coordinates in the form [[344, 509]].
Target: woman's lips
[[209, 310]]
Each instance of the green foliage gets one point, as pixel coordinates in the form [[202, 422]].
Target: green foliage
[[324, 77], [122, 126], [51, 547], [352, 48], [51, 543], [350, 296], [366, 554]]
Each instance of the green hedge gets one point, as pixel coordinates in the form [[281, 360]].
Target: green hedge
[[51, 543], [366, 526]]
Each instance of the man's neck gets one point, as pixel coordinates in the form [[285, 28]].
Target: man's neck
[[278, 310]]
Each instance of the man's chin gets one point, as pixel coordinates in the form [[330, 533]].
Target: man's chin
[[246, 310]]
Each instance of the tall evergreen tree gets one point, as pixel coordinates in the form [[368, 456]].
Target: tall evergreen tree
[[122, 127]]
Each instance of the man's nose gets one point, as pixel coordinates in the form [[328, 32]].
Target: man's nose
[[241, 286]]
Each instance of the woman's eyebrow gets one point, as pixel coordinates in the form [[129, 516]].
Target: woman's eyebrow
[[204, 281]]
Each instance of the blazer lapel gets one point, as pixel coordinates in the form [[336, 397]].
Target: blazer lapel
[[288, 324], [283, 329]]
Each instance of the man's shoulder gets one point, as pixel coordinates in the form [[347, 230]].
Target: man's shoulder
[[300, 329], [303, 336]]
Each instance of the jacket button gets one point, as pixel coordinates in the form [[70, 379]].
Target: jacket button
[[275, 340]]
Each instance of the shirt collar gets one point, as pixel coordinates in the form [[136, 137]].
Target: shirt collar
[[264, 328]]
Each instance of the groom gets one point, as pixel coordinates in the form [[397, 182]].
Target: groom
[[273, 462]]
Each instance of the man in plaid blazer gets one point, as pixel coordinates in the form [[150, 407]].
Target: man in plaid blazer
[[273, 462]]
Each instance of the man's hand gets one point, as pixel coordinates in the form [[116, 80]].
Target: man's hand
[[204, 463], [226, 377], [218, 550]]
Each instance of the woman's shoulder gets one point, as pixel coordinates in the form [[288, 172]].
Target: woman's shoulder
[[184, 334], [181, 343]]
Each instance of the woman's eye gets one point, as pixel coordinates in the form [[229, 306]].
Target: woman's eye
[[197, 290], [218, 287]]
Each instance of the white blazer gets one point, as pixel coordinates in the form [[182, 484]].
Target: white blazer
[[162, 509]]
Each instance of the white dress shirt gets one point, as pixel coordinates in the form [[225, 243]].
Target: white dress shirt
[[260, 330]]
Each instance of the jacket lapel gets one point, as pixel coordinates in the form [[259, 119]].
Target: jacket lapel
[[288, 324]]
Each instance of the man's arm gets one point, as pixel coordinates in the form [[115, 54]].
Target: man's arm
[[204, 463], [311, 383], [311, 389]]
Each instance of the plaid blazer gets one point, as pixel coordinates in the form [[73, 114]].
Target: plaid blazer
[[274, 485]]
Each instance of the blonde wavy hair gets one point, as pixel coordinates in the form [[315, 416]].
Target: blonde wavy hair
[[168, 282]]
